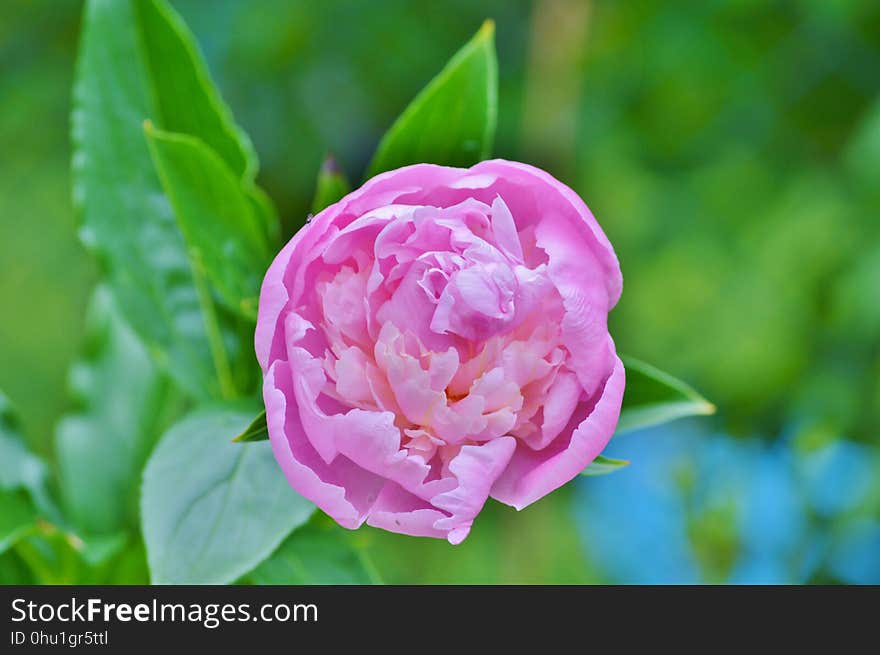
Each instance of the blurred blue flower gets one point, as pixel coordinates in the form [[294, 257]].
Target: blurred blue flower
[[701, 507]]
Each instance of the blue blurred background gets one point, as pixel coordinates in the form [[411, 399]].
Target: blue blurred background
[[731, 150]]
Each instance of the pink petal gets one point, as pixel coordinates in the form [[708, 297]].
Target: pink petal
[[396, 510], [343, 490], [273, 298], [504, 228], [554, 196], [559, 405], [476, 468], [533, 474], [573, 271]]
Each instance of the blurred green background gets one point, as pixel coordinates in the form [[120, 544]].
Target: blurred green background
[[731, 151]]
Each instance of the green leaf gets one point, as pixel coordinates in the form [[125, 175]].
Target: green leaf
[[654, 397], [264, 210], [23, 476], [19, 467], [186, 99], [98, 550], [331, 185], [215, 216], [452, 120], [13, 571], [316, 554], [604, 465], [18, 517], [126, 220], [212, 510], [103, 445], [256, 431]]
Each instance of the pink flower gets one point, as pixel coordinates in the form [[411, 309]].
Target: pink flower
[[437, 337]]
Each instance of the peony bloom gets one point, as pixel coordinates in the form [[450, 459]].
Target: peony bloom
[[437, 337]]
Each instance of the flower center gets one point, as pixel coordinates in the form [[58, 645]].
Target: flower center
[[435, 317]]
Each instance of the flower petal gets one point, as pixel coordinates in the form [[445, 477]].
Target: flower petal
[[343, 490], [476, 468], [533, 474]]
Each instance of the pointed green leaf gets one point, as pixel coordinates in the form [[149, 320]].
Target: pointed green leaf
[[256, 431], [213, 510], [331, 185], [215, 216], [316, 554], [125, 218], [652, 397], [452, 120], [604, 465], [137, 62], [186, 99], [103, 445]]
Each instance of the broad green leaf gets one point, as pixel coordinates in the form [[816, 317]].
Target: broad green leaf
[[256, 431], [186, 99], [331, 185], [212, 510], [604, 465], [121, 401], [452, 120], [125, 217], [316, 554], [215, 216], [652, 397]]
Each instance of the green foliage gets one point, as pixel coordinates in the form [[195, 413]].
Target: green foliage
[[652, 397], [317, 553], [452, 121], [17, 517], [102, 446], [212, 509], [138, 63], [36, 546], [23, 478], [604, 465], [186, 98], [265, 212], [215, 216], [125, 217], [20, 468], [183, 236], [258, 430]]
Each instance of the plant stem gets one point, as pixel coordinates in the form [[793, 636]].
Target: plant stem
[[369, 567], [212, 326]]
